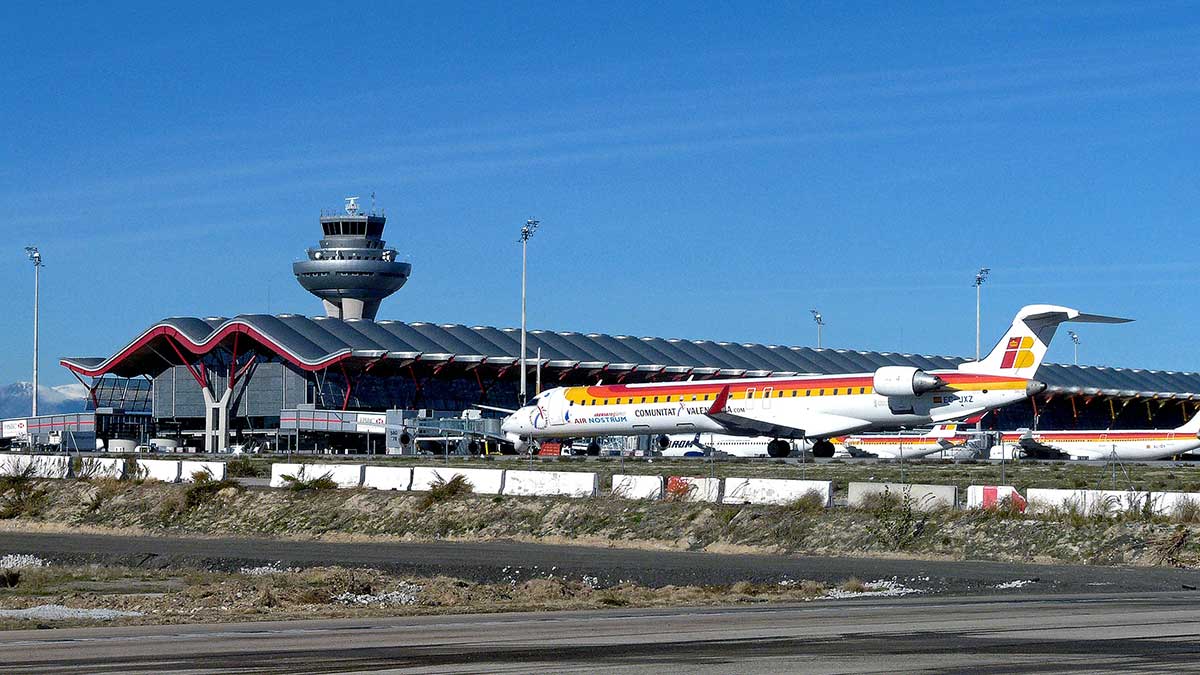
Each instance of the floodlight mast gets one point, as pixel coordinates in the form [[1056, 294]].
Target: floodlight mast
[[35, 257], [980, 277], [1075, 340], [820, 321], [527, 231]]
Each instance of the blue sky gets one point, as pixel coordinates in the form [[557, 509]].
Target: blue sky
[[707, 170]]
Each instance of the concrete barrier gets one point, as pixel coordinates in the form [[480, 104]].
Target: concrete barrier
[[345, 475], [551, 483], [483, 481], [387, 477], [43, 466], [1170, 503], [690, 489], [775, 490], [165, 470], [100, 467], [991, 496], [1086, 502], [924, 497], [637, 487], [190, 467], [1116, 501]]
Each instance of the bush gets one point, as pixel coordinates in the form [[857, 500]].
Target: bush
[[20, 496], [444, 490], [203, 488], [810, 502], [855, 585], [300, 482], [1187, 511], [243, 467], [898, 523]]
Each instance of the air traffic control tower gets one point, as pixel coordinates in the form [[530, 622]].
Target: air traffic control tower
[[353, 270]]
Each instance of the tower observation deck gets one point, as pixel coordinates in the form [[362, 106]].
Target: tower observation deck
[[353, 270]]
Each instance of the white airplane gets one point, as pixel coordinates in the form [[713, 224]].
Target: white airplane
[[906, 445], [813, 407], [697, 445], [1125, 445]]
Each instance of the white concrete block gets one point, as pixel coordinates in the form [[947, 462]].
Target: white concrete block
[[165, 470], [1169, 503], [775, 490], [1041, 499], [101, 467], [551, 483], [483, 481], [345, 475], [637, 487], [1116, 501], [387, 477], [990, 496], [189, 467], [924, 497], [690, 489], [44, 466]]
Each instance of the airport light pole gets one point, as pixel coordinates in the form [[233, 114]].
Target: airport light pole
[[1075, 339], [980, 277], [527, 231], [35, 257], [820, 321]]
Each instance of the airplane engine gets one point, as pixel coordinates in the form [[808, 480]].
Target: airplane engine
[[904, 381]]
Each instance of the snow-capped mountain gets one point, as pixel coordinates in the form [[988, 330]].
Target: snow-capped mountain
[[15, 399]]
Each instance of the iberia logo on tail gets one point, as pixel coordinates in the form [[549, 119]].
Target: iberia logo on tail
[[1017, 353]]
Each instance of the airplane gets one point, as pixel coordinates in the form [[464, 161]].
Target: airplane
[[906, 445], [1127, 445], [698, 445], [812, 407]]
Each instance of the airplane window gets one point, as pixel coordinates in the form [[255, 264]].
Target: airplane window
[[835, 391], [618, 401], [808, 392], [643, 399], [862, 390], [778, 394], [605, 401], [794, 392], [656, 399], [821, 393]]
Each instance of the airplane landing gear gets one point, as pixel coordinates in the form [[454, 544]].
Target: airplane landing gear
[[779, 448], [822, 448]]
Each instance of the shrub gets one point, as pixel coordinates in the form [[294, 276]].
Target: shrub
[[444, 490], [1187, 510], [809, 502], [300, 482], [855, 585], [243, 467], [898, 522], [20, 495]]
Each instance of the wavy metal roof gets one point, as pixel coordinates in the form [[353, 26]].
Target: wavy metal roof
[[319, 343]]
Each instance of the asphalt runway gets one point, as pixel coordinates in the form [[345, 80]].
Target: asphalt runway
[[1126, 633], [492, 561]]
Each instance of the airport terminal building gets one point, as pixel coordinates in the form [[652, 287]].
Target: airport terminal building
[[345, 379]]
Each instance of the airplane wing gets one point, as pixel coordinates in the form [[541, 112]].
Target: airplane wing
[[783, 424]]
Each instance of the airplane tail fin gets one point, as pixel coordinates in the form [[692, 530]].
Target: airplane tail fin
[[1191, 426], [1021, 350], [943, 431]]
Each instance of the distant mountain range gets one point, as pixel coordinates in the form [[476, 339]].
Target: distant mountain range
[[15, 399]]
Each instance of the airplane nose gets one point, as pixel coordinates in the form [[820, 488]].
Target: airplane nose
[[509, 424], [1034, 387]]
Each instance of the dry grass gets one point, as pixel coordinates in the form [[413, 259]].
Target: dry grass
[[445, 490]]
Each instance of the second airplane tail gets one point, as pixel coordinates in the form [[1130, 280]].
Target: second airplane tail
[[1021, 350], [1191, 426]]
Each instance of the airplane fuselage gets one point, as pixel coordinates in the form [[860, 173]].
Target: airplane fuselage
[[1146, 444], [683, 407]]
